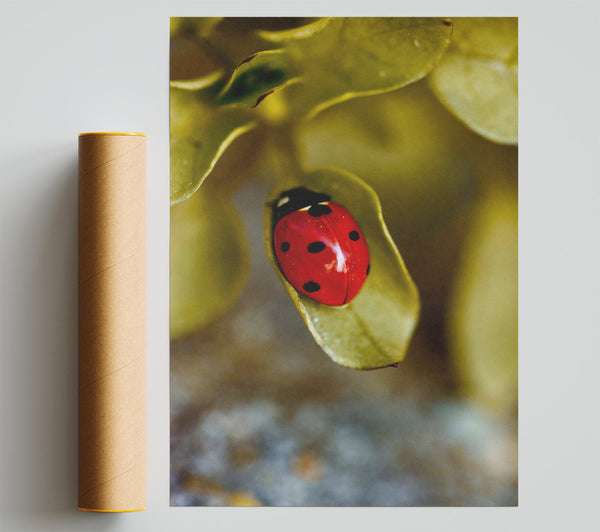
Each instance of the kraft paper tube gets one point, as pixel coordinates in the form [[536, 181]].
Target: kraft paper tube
[[112, 322]]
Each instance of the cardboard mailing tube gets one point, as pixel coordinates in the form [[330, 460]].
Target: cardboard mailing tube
[[112, 322]]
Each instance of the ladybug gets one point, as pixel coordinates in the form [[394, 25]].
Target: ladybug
[[320, 249]]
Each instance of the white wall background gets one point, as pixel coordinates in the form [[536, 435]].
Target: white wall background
[[69, 67]]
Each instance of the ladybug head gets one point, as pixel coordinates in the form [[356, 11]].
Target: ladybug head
[[295, 199]]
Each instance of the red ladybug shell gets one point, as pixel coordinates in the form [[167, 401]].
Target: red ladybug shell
[[322, 252]]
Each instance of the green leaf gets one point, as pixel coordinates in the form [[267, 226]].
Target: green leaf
[[209, 261], [300, 32], [483, 326], [257, 77], [478, 79], [198, 83], [374, 329], [200, 133], [348, 57]]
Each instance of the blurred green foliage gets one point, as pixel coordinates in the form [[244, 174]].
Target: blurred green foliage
[[482, 329], [439, 153], [208, 260]]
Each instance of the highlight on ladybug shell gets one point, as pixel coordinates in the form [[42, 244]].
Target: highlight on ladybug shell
[[320, 248]]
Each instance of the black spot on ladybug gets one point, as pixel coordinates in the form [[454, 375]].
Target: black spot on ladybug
[[311, 287], [285, 246], [318, 210], [315, 247], [354, 235], [368, 269]]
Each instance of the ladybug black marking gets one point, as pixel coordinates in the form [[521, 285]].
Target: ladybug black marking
[[295, 199], [354, 235], [285, 246], [311, 287], [315, 247], [368, 269], [319, 210]]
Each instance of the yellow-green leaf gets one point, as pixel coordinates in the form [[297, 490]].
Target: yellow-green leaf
[[200, 133], [375, 328], [300, 32], [209, 261], [478, 79], [483, 324], [257, 77], [198, 83], [347, 57]]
